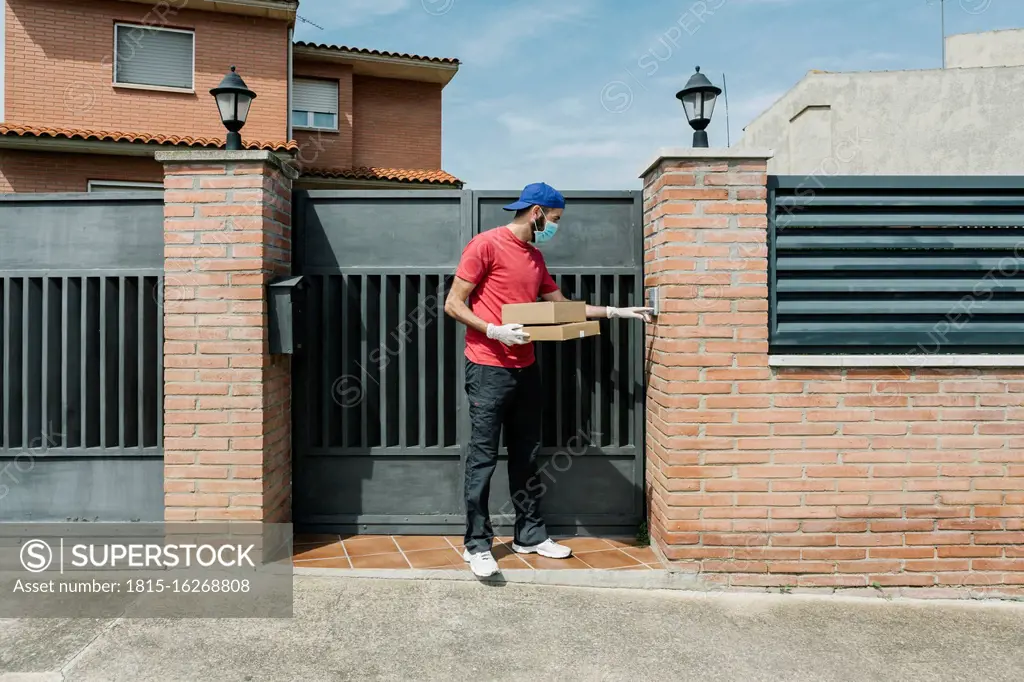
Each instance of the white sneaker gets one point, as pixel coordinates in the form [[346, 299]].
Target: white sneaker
[[482, 564], [548, 548]]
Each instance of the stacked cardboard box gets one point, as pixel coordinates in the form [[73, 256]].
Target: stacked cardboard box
[[551, 321]]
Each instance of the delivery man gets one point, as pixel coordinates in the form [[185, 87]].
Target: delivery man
[[498, 267]]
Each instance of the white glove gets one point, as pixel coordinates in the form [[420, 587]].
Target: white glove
[[631, 313], [508, 334]]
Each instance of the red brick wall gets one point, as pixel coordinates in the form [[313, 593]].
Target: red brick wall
[[25, 171], [59, 68], [759, 476], [396, 123], [321, 149], [227, 412]]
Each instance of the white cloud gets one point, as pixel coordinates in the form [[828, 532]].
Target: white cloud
[[745, 109], [509, 28], [585, 149], [331, 14], [858, 60], [594, 149]]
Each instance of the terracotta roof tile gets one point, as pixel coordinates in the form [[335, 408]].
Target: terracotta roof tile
[[379, 53], [16, 130], [425, 176]]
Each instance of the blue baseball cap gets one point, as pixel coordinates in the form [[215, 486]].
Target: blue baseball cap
[[538, 194]]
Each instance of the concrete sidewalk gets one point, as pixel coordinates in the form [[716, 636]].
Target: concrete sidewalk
[[365, 629]]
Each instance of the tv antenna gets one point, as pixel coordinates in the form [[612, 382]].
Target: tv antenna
[[307, 21], [728, 126]]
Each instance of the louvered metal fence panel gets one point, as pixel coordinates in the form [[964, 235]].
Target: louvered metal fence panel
[[896, 264], [81, 376]]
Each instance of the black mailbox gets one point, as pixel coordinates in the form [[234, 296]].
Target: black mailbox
[[281, 298]]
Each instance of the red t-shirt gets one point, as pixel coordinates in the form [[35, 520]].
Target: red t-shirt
[[505, 270]]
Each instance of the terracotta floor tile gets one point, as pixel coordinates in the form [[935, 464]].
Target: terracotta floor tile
[[370, 545], [610, 558], [641, 567], [362, 537], [537, 561], [463, 566], [585, 544], [415, 543], [500, 550], [315, 539], [643, 554], [511, 561], [393, 560], [622, 542], [436, 552], [508, 557], [434, 558], [321, 551], [337, 562]]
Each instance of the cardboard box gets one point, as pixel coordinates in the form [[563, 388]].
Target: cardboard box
[[563, 332], [544, 313]]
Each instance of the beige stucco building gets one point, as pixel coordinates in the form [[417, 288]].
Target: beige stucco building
[[964, 119]]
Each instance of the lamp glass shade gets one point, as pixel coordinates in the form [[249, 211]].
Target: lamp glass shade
[[699, 105], [243, 106], [691, 101], [226, 104], [709, 103]]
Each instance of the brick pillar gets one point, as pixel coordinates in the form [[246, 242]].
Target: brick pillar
[[705, 220], [227, 401]]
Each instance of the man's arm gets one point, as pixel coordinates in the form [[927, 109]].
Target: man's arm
[[455, 305], [592, 310], [601, 311]]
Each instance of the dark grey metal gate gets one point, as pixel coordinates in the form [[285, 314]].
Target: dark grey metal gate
[[80, 357], [378, 398]]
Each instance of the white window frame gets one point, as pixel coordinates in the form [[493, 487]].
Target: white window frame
[[158, 88], [309, 114], [309, 122], [126, 184]]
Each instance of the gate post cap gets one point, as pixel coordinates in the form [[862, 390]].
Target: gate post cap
[[196, 157], [707, 154]]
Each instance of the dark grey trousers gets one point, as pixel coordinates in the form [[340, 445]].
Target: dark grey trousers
[[510, 398]]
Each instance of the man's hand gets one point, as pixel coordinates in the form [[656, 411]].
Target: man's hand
[[631, 313], [508, 334]]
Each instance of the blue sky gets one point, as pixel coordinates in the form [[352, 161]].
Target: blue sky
[[581, 93]]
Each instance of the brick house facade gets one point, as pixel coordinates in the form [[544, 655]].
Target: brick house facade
[[66, 120]]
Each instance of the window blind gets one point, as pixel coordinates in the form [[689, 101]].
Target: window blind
[[114, 186], [148, 56], [315, 95]]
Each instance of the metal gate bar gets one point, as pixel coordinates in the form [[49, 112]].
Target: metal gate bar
[[56, 341]]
